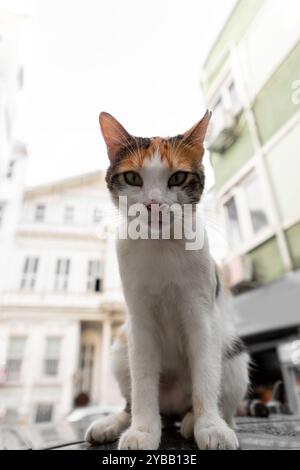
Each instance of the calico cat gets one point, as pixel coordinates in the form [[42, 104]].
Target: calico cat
[[178, 353]]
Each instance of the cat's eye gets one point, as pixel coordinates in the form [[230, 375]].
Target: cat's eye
[[133, 179], [177, 179]]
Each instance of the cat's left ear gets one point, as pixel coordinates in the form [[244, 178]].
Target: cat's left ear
[[196, 135], [115, 135]]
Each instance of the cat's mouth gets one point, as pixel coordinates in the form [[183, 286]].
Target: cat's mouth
[[161, 221], [156, 220], [158, 216]]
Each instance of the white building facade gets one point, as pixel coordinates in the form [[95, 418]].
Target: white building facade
[[61, 303], [14, 45]]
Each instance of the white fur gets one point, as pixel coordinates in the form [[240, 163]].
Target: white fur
[[177, 331]]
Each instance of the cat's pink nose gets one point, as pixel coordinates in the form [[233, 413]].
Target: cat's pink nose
[[155, 207], [152, 205]]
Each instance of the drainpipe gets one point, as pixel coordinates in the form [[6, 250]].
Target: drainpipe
[[274, 209]]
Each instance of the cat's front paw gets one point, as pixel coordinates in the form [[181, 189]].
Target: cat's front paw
[[135, 439], [107, 429], [187, 426], [215, 436]]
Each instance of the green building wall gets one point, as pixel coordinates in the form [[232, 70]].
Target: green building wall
[[293, 239], [266, 258], [235, 28], [237, 155], [273, 106], [267, 262]]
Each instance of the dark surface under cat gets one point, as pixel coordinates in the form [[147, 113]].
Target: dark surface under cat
[[275, 432]]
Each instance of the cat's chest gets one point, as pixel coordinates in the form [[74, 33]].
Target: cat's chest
[[157, 266], [166, 310]]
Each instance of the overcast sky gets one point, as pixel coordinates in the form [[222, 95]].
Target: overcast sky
[[137, 59]]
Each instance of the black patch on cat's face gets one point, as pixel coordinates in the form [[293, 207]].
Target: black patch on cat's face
[[174, 141], [180, 138], [194, 188]]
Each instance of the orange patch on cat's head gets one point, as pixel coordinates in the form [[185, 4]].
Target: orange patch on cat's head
[[180, 156], [127, 152]]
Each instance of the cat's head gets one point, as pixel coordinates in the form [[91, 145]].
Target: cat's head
[[155, 171]]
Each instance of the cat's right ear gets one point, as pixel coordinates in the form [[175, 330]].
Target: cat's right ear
[[114, 134]]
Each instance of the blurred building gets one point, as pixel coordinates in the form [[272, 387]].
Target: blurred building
[[14, 29], [60, 297], [60, 303], [250, 80]]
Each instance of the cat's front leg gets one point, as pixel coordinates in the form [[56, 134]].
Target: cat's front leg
[[145, 430], [205, 357]]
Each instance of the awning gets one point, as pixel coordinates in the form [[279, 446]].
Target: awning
[[270, 307]]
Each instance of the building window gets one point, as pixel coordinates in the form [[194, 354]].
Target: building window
[[62, 274], [95, 276], [52, 354], [98, 215], [10, 169], [226, 106], [44, 412], [255, 204], [234, 98], [245, 211], [1, 213], [69, 214], [219, 115], [233, 222], [39, 215], [29, 273], [14, 360]]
